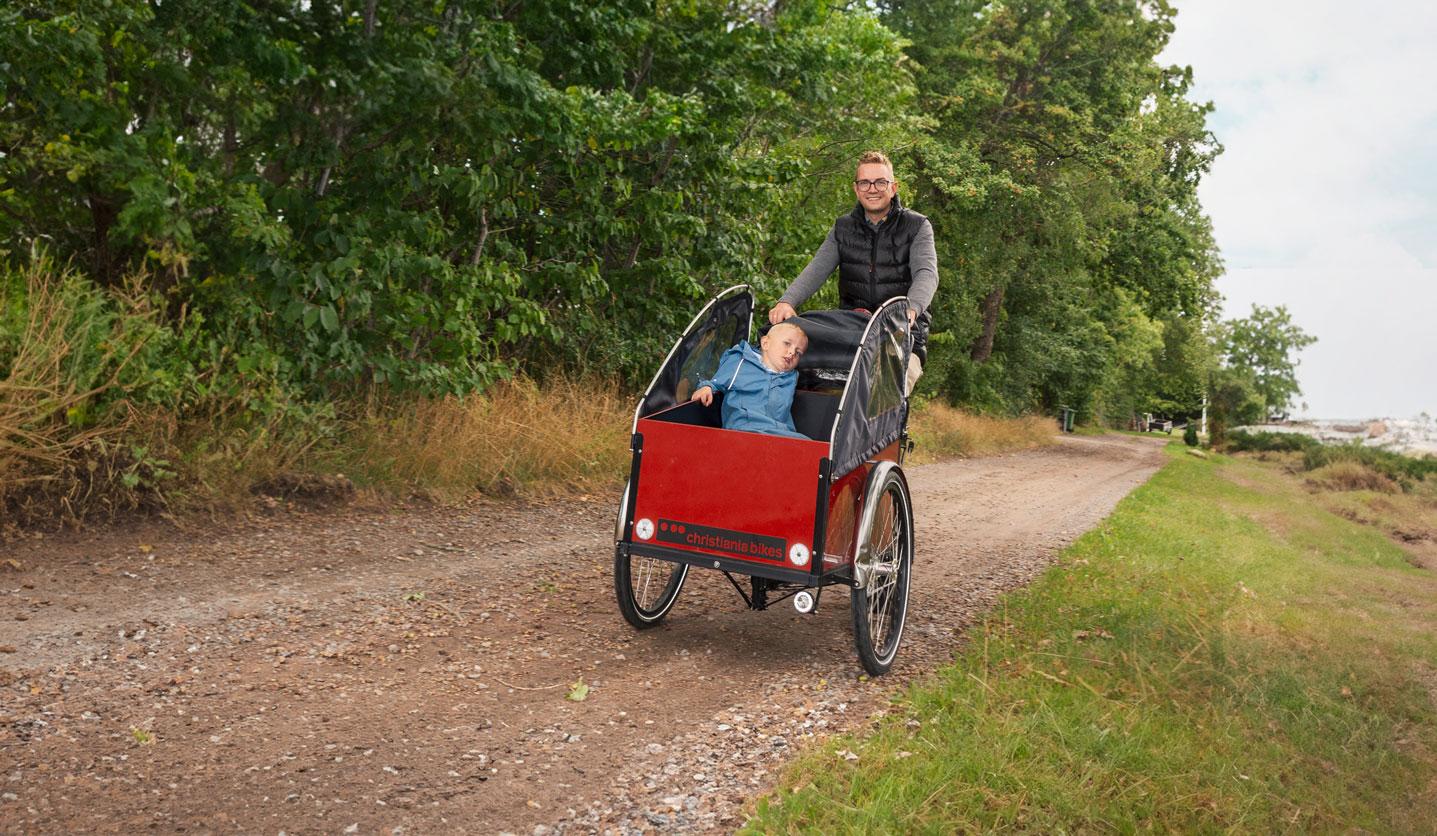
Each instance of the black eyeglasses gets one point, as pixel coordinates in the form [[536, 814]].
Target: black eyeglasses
[[870, 185]]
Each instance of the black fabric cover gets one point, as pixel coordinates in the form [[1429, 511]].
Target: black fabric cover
[[722, 323], [874, 408], [833, 338]]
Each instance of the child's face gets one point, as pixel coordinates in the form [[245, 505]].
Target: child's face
[[782, 346]]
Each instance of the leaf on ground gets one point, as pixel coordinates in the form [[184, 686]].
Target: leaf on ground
[[578, 692]]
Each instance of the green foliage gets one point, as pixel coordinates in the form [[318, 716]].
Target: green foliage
[[1059, 165], [1190, 434], [432, 197], [1234, 401], [1270, 442], [326, 200], [1263, 347]]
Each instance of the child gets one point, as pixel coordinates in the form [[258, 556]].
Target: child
[[759, 383]]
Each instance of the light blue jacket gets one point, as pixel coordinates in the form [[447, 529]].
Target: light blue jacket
[[755, 399]]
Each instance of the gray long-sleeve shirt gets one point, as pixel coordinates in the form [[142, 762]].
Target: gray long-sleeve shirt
[[922, 264]]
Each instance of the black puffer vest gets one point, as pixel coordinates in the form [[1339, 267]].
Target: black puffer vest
[[873, 262]]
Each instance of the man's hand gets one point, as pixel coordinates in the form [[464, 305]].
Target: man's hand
[[704, 395], [912, 317], [778, 313]]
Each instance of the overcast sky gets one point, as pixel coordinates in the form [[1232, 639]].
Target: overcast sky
[[1325, 199]]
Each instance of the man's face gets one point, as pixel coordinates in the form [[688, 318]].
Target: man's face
[[875, 200], [782, 346]]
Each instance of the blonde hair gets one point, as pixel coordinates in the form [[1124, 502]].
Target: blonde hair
[[870, 157], [787, 324]]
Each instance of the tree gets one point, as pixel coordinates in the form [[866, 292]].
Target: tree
[[1263, 348], [1233, 401], [1059, 166], [433, 194], [430, 194]]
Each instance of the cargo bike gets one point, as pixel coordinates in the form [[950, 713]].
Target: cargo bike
[[791, 516]]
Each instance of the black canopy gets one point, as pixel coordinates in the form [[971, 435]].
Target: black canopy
[[866, 355], [723, 322], [874, 405]]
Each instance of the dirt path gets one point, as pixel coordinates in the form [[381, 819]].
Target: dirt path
[[406, 671]]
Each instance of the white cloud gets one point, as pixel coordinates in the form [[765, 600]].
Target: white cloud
[[1326, 197]]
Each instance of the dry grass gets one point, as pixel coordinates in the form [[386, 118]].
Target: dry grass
[[941, 431], [224, 456], [63, 459], [1351, 476], [516, 438], [55, 459], [1408, 518]]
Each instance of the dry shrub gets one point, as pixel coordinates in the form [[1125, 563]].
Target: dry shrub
[[1351, 476], [225, 454], [57, 460], [941, 431], [516, 438]]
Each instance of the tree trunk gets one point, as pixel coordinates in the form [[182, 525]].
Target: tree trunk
[[102, 216], [992, 306]]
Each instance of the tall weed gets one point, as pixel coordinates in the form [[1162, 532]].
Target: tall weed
[[940, 431], [67, 355], [516, 438], [108, 404]]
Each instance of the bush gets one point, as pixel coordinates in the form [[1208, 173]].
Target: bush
[[107, 407], [1404, 470], [78, 365], [1351, 476], [1397, 468], [1269, 442], [1190, 435]]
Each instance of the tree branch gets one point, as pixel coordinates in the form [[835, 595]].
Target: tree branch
[[483, 236]]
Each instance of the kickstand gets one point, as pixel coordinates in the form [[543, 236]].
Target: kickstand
[[744, 595]]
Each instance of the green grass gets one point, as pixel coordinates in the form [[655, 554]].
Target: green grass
[[1221, 653]]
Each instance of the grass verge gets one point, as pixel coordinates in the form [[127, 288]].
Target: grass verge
[[1221, 653]]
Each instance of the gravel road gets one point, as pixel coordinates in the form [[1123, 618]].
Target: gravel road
[[408, 670]]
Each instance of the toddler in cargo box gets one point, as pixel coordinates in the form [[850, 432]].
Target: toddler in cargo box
[[758, 383]]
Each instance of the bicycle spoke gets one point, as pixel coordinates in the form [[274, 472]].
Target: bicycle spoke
[[647, 576]]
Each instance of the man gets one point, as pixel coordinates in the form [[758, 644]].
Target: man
[[881, 250]]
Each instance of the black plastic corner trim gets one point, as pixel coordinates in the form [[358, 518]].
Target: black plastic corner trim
[[820, 518], [636, 443]]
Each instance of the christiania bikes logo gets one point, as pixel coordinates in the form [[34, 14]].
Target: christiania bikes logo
[[740, 543]]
